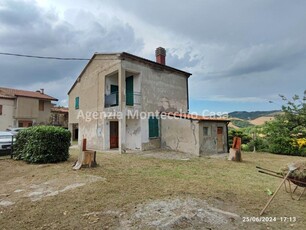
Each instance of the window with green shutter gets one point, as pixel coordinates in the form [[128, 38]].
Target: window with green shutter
[[153, 127], [77, 103]]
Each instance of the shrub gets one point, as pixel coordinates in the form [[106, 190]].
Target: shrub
[[42, 144], [260, 144]]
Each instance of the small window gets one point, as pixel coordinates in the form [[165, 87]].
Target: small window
[[153, 127], [206, 131], [41, 105], [77, 103], [1, 107]]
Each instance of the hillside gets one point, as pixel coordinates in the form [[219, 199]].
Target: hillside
[[243, 119], [261, 120], [253, 115]]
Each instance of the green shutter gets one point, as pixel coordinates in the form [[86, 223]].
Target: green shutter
[[153, 127], [77, 103], [129, 87]]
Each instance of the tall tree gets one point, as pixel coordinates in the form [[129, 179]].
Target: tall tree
[[287, 132]]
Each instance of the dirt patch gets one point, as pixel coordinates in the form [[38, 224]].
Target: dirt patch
[[38, 183], [189, 213], [180, 213], [164, 154], [54, 187]]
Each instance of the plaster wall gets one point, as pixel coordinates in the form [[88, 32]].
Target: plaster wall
[[180, 135], [208, 144], [161, 90], [44, 116], [90, 88], [8, 108], [133, 134], [27, 108]]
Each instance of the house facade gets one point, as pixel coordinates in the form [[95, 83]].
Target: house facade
[[59, 116], [22, 108], [116, 102]]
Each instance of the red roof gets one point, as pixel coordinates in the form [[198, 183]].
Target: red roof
[[13, 93], [197, 117], [60, 109]]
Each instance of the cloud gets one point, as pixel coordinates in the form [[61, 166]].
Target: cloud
[[26, 27], [238, 51], [266, 57]]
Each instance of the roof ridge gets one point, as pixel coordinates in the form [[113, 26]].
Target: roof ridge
[[5, 91]]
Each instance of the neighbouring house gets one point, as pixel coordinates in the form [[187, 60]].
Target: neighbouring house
[[59, 116], [125, 102], [22, 108]]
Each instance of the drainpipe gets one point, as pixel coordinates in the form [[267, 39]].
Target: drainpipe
[[227, 137], [187, 95]]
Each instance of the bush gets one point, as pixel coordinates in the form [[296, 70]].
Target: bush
[[245, 138], [42, 144], [260, 144]]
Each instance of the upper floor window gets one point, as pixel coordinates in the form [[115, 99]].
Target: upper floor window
[[1, 107], [41, 105], [77, 103]]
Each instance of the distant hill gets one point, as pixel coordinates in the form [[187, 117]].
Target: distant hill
[[240, 123], [262, 120], [253, 115], [243, 119]]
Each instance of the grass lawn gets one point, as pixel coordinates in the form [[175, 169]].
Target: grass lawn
[[53, 196]]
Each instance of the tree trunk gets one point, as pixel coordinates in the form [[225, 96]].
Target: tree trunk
[[86, 159]]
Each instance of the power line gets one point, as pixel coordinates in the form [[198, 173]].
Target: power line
[[45, 57]]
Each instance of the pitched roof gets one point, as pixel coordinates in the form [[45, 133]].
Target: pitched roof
[[125, 55], [196, 117], [60, 109], [13, 93]]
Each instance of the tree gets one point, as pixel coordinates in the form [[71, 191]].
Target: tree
[[285, 133]]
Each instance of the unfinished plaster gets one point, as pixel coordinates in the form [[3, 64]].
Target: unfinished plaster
[[180, 135]]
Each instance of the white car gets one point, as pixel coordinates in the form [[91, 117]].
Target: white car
[[14, 131], [6, 140]]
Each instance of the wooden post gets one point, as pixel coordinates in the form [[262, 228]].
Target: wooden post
[[12, 146]]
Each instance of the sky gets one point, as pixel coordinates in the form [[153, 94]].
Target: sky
[[242, 54]]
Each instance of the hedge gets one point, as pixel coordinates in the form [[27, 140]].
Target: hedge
[[42, 144]]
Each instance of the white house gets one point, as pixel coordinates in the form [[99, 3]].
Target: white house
[[116, 103]]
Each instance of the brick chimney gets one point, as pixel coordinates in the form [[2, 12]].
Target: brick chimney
[[160, 54]]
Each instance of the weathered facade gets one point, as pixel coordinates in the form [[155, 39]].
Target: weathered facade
[[129, 86], [193, 134], [21, 108]]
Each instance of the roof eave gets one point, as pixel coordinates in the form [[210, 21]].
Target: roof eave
[[86, 66], [128, 55]]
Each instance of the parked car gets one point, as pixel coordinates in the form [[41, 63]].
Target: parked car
[[14, 131], [6, 140]]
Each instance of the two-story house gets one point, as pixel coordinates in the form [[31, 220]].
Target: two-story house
[[117, 100], [22, 108]]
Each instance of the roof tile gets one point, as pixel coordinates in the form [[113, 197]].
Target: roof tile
[[13, 93]]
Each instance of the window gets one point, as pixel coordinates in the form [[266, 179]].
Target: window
[[206, 131], [153, 127], [77, 103], [41, 106], [1, 107]]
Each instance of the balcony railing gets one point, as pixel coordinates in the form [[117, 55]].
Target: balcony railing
[[111, 100], [132, 99]]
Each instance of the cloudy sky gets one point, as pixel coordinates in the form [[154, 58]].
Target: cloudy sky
[[242, 54]]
